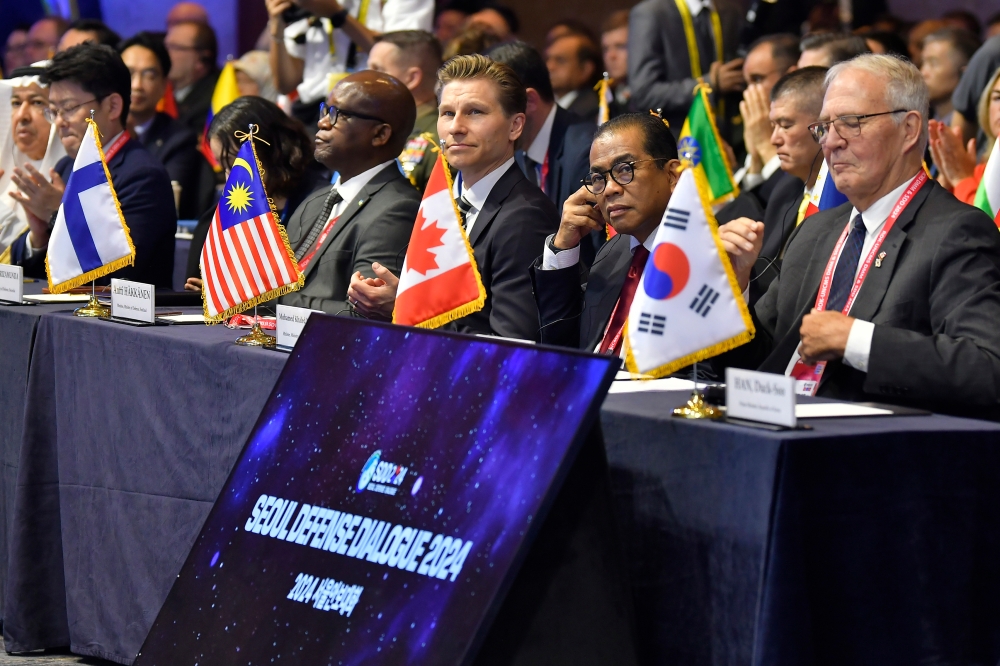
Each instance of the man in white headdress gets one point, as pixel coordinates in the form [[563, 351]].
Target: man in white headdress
[[26, 137]]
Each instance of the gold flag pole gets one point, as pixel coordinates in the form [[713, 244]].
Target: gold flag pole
[[256, 337], [93, 308]]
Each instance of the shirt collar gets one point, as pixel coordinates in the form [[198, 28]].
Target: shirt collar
[[141, 129], [539, 148], [352, 187], [878, 212], [477, 194], [567, 100], [633, 242], [695, 6]]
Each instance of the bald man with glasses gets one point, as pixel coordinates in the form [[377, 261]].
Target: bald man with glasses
[[367, 214], [895, 295]]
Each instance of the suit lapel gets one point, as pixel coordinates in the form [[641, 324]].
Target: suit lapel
[[607, 276], [557, 141], [495, 199], [877, 281], [354, 207]]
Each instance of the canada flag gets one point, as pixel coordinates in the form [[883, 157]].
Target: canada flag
[[440, 281]]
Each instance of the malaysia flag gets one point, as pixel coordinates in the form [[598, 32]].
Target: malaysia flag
[[246, 258], [440, 281]]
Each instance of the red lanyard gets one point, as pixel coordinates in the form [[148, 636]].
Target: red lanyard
[[831, 266], [116, 146], [305, 261]]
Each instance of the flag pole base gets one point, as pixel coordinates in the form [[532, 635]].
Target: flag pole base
[[697, 408], [93, 308], [257, 338]]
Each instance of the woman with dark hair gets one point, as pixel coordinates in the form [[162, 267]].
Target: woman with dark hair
[[290, 171]]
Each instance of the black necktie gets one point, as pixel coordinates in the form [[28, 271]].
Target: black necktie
[[332, 200], [464, 207], [705, 37], [847, 266]]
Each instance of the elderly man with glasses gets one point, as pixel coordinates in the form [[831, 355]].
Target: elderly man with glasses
[[367, 215], [895, 295], [84, 80], [633, 170]]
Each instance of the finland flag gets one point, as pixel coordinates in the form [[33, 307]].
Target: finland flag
[[90, 238]]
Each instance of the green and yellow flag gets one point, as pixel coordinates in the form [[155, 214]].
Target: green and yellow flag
[[701, 148]]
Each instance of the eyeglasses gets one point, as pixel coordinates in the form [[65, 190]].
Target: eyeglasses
[[848, 127], [622, 173], [334, 112], [53, 112]]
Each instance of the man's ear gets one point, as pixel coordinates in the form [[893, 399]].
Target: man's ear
[[533, 100], [516, 126], [382, 135], [113, 105], [414, 78], [674, 169], [914, 126]]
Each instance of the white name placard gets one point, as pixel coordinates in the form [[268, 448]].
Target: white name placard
[[290, 323], [11, 284], [760, 396], [133, 300]]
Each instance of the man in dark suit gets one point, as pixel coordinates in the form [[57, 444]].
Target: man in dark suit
[[92, 77], [166, 139], [554, 148], [922, 329], [633, 170], [574, 64], [660, 70], [193, 53], [506, 217], [796, 100], [367, 215]]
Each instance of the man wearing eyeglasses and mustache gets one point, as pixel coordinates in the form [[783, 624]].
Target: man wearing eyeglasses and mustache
[[367, 215], [897, 291], [633, 171]]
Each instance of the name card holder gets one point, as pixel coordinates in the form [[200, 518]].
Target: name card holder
[[760, 397], [290, 322], [12, 286], [132, 303]]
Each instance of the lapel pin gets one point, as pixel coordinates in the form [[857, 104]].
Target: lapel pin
[[878, 259]]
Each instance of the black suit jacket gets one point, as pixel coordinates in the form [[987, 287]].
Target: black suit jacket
[[176, 148], [514, 222], [375, 226], [586, 105], [193, 111], [659, 68], [147, 202], [935, 303], [779, 223], [569, 163], [574, 304]]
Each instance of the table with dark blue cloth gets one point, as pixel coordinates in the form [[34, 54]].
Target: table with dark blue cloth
[[861, 541], [17, 324]]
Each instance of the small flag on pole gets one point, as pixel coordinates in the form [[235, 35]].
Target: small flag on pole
[[988, 194], [605, 95], [439, 282], [701, 145], [689, 306], [90, 238], [824, 194], [226, 91], [246, 259]]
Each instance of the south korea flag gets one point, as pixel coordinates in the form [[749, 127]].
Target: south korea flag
[[688, 306]]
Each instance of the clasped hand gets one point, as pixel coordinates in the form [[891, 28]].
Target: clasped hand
[[824, 335], [374, 298]]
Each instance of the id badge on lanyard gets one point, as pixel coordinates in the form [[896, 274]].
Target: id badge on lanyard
[[807, 377]]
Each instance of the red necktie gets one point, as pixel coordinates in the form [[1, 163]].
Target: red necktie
[[613, 336]]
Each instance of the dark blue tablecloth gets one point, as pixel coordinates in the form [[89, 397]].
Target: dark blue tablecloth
[[861, 541]]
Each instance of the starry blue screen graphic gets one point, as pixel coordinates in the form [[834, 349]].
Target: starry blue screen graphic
[[453, 437]]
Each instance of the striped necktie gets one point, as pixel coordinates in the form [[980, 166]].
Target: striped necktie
[[847, 267], [332, 200], [464, 207]]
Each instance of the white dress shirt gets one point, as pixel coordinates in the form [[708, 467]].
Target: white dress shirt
[[859, 340], [749, 181], [478, 193], [695, 6], [552, 261], [567, 100], [539, 148], [350, 189]]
